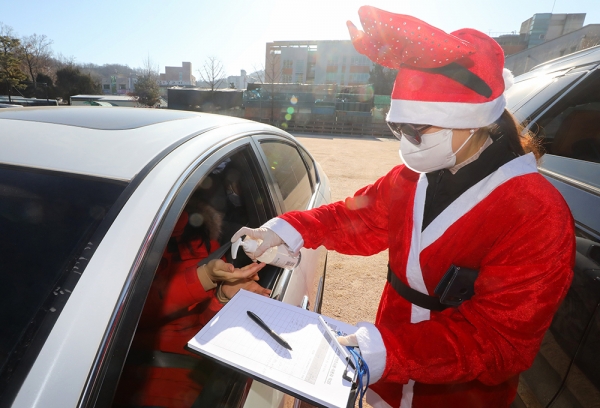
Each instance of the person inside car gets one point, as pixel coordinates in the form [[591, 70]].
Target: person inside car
[[183, 297], [466, 212]]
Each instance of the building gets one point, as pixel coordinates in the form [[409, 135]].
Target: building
[[238, 82], [315, 62], [538, 29], [118, 84], [581, 39], [180, 76], [544, 27]]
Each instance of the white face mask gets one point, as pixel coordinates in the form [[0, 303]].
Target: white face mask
[[434, 152]]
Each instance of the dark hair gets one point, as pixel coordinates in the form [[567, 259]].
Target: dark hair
[[204, 224], [520, 141]]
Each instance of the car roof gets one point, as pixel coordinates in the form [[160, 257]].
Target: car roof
[[113, 142]]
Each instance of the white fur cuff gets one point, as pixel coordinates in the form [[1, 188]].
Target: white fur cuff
[[372, 349], [286, 232]]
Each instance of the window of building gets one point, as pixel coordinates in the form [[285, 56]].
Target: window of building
[[288, 63], [299, 77], [331, 77], [122, 87], [106, 86], [286, 79]]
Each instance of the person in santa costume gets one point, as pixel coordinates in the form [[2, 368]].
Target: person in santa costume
[[468, 195]]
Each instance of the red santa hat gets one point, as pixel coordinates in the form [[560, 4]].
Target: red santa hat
[[454, 80]]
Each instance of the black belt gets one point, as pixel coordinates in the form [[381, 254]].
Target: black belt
[[413, 296], [456, 286]]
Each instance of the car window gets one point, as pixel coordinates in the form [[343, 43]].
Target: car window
[[209, 209], [47, 224], [290, 173], [528, 97], [571, 128]]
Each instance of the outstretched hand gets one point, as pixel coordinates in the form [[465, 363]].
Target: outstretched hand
[[219, 270], [267, 236], [229, 289]]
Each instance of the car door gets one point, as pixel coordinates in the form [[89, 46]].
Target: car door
[[566, 372], [237, 161]]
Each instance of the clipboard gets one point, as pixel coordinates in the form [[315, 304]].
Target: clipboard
[[313, 371]]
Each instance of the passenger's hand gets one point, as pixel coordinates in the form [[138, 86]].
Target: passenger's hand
[[218, 270], [229, 289], [269, 239]]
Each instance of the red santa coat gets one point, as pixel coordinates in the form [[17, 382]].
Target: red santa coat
[[176, 308], [512, 226]]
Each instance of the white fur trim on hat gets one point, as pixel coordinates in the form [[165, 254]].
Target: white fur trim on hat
[[509, 78], [449, 115]]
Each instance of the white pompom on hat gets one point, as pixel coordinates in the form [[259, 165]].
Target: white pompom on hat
[[454, 80]]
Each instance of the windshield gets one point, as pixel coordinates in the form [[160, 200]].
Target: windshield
[[46, 222]]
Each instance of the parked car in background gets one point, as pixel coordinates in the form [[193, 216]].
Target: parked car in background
[[89, 197], [560, 101]]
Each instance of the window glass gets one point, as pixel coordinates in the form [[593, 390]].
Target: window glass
[[523, 90], [290, 173], [571, 128], [46, 221]]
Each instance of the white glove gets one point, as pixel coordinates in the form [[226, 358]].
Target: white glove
[[269, 239], [349, 340]]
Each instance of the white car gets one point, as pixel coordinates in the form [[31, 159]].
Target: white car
[[89, 198]]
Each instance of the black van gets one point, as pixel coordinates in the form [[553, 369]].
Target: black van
[[560, 101]]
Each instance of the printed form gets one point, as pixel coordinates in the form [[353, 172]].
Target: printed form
[[312, 369]]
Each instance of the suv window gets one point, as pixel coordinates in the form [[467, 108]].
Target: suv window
[[532, 95], [47, 221], [571, 128], [290, 173]]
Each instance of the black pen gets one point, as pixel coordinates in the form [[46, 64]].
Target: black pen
[[266, 328]]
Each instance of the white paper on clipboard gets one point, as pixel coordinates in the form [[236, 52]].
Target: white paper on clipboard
[[314, 369]]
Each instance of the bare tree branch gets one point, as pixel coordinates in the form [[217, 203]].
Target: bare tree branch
[[212, 73], [149, 67], [36, 55]]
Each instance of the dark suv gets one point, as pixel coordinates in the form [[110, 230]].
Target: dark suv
[[560, 101]]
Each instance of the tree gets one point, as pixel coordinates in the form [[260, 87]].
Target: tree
[[382, 79], [146, 87], [212, 73], [10, 64], [36, 56], [70, 81], [147, 90]]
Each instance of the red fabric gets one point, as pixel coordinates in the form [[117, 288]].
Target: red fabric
[[393, 40], [176, 308], [411, 46], [521, 239]]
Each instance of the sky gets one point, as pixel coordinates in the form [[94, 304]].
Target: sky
[[235, 32]]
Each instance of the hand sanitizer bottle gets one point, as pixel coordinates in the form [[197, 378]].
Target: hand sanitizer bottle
[[279, 256]]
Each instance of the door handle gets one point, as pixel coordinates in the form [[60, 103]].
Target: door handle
[[304, 304]]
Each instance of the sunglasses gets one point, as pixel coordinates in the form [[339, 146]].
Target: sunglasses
[[411, 132]]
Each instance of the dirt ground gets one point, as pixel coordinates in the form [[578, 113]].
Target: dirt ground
[[353, 284]]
